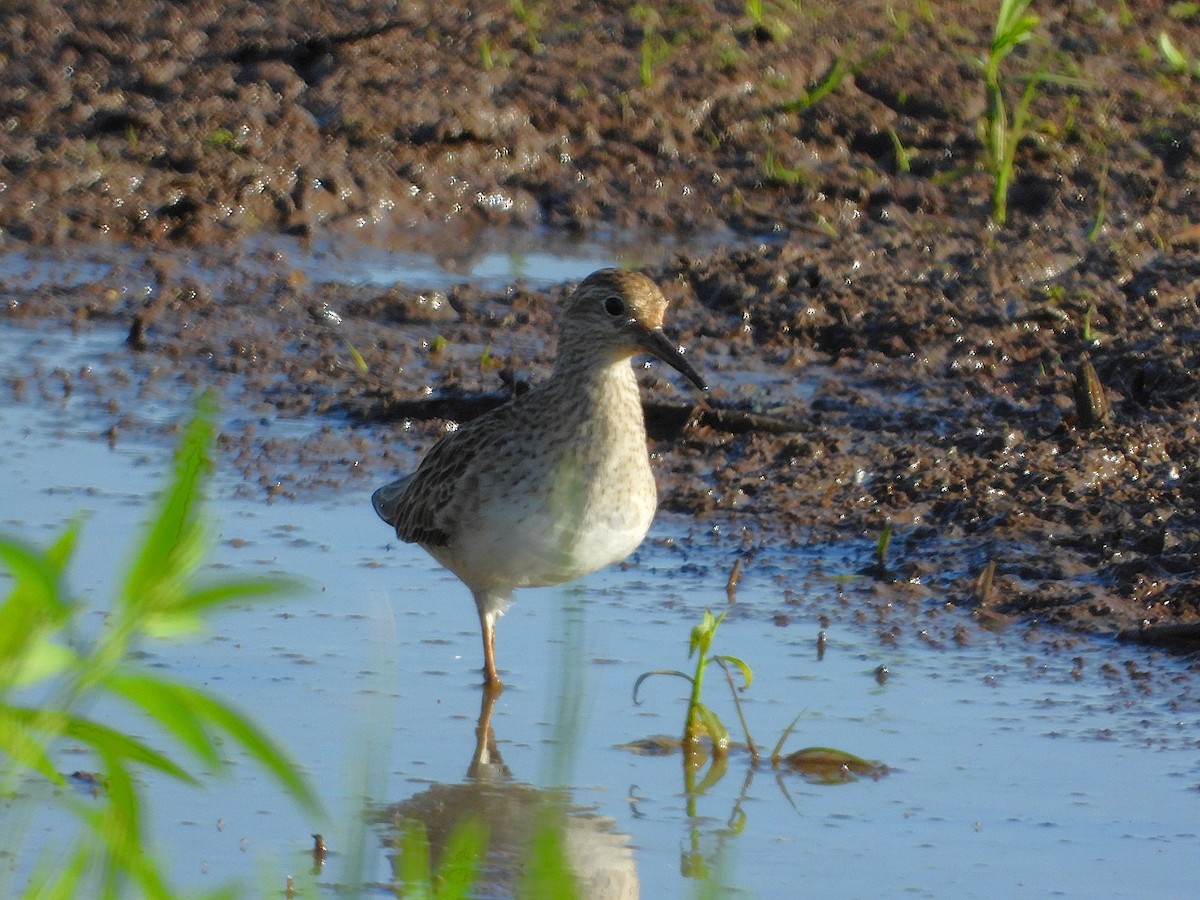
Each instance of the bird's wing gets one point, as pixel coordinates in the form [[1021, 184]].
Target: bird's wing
[[419, 505]]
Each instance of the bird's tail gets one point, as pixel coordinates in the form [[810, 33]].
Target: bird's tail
[[388, 498]]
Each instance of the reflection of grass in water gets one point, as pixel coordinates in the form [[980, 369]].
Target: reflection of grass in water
[[458, 871], [50, 676]]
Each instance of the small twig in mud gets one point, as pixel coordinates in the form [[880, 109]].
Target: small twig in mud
[[1091, 404], [731, 585], [983, 583]]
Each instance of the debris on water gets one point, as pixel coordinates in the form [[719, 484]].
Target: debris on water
[[824, 765]]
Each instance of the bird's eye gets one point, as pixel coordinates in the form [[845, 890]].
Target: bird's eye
[[614, 306]]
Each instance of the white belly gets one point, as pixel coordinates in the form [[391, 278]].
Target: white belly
[[589, 520]]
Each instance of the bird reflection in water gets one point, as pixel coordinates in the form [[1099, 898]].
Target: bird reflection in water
[[598, 856]]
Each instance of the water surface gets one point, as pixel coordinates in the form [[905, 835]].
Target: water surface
[[1015, 767]]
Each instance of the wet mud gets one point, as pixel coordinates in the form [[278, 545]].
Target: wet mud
[[1018, 404]]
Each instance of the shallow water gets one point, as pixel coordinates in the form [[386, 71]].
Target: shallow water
[[493, 260], [1015, 767]]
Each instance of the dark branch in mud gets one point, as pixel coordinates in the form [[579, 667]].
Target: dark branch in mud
[[1175, 636], [300, 53], [663, 420]]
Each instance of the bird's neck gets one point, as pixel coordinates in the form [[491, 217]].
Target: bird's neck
[[604, 378]]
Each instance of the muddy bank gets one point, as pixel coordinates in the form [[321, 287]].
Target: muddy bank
[[152, 121], [1019, 403]]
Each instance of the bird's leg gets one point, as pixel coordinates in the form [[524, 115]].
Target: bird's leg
[[487, 624]]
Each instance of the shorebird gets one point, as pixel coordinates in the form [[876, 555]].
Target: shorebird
[[556, 483]]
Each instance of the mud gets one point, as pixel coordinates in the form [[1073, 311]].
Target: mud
[[1019, 403]]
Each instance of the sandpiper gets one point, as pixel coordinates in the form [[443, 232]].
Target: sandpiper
[[556, 483]]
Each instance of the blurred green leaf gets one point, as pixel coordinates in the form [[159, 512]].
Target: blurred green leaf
[[222, 592], [414, 879], [112, 857], [1171, 53], [18, 743], [174, 543], [255, 742], [462, 858], [168, 704], [115, 745], [42, 659], [118, 824], [546, 872], [36, 604]]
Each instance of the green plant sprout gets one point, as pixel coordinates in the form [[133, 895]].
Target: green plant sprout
[[359, 362], [772, 27], [1101, 204], [489, 360], [776, 172], [882, 543], [654, 47], [531, 19], [1088, 331], [831, 82], [903, 154], [822, 765], [1002, 133], [1177, 60], [219, 139], [50, 676], [700, 720]]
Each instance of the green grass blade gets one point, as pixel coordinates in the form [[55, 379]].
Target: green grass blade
[[256, 743], [173, 543], [18, 744], [114, 745], [546, 872], [170, 705], [787, 732], [67, 883], [37, 601], [414, 879], [462, 858]]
